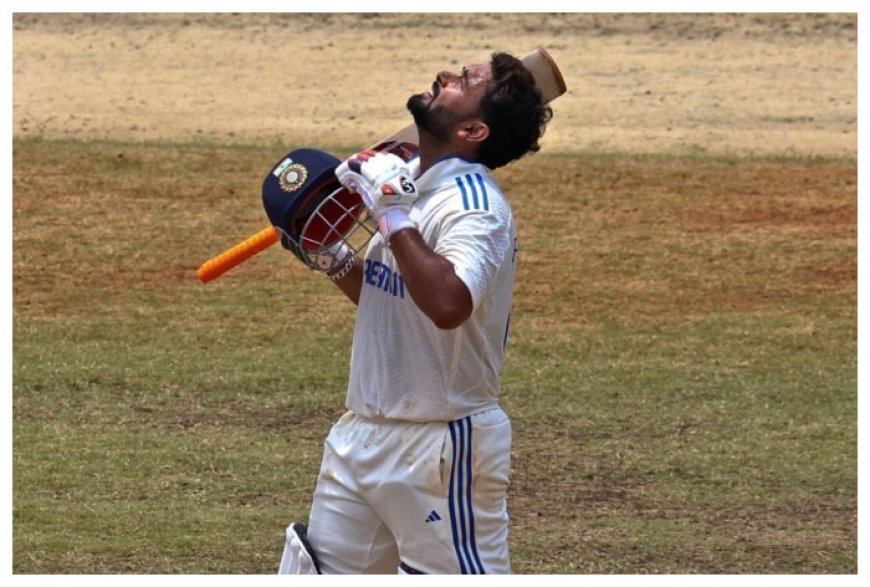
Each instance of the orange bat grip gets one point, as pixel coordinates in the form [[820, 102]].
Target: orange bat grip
[[217, 266]]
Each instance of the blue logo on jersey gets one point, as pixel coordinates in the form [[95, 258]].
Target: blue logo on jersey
[[382, 277]]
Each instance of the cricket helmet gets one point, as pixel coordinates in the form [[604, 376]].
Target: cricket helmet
[[310, 208]]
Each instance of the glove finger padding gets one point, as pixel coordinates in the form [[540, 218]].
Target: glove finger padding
[[387, 173], [386, 186], [349, 176], [398, 189]]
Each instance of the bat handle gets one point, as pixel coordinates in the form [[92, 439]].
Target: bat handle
[[243, 251]]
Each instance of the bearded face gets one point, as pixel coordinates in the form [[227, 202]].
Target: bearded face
[[454, 99], [435, 120]]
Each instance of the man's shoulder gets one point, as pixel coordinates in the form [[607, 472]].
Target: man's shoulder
[[444, 172], [467, 195], [470, 180]]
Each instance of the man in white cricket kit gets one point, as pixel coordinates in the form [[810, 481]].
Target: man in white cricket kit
[[414, 476]]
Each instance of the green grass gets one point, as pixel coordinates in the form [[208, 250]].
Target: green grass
[[682, 374]]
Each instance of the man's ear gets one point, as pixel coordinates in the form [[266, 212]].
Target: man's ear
[[475, 131]]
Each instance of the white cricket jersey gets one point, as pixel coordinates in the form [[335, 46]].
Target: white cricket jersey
[[403, 366]]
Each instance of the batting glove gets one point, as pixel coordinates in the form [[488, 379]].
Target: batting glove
[[384, 182]]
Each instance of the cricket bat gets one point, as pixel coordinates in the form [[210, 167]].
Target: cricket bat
[[402, 143]]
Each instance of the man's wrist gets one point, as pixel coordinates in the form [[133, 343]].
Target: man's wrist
[[394, 219], [344, 269]]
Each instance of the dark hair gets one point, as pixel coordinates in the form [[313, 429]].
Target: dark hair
[[514, 111]]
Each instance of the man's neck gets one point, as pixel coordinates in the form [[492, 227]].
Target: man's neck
[[433, 150]]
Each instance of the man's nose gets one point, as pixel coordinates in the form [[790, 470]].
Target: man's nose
[[445, 77]]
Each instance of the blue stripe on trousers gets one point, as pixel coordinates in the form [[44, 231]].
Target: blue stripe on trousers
[[460, 503]]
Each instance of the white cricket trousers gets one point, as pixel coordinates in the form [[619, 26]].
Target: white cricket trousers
[[410, 497]]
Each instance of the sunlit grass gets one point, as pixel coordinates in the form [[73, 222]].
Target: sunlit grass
[[681, 372]]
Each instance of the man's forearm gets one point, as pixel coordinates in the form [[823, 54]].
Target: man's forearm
[[351, 284], [431, 280]]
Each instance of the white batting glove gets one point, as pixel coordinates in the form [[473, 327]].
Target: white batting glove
[[384, 182]]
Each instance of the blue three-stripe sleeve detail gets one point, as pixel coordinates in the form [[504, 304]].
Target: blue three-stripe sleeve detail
[[474, 196], [473, 191], [483, 191], [464, 193]]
